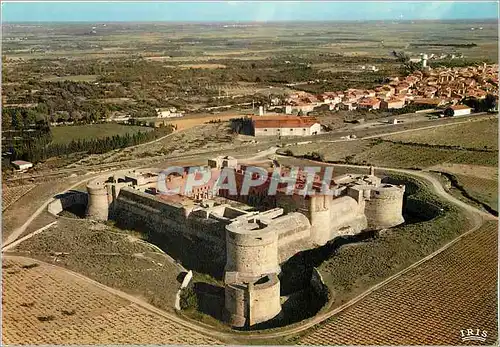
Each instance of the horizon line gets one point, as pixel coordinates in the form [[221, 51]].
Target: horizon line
[[256, 21]]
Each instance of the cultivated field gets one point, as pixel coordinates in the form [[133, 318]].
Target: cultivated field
[[117, 259], [411, 156], [22, 209], [484, 190], [388, 154], [66, 134], [216, 41], [74, 78], [14, 193], [480, 135], [48, 305], [484, 172], [429, 305]]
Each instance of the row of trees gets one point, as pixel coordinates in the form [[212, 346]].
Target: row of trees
[[36, 150], [489, 103], [242, 125]]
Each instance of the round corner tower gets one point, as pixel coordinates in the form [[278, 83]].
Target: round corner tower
[[253, 302], [252, 249], [98, 203], [384, 208], [252, 287]]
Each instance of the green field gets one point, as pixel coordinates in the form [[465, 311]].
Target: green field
[[471, 143], [73, 78], [484, 190], [387, 154], [65, 134], [480, 135]]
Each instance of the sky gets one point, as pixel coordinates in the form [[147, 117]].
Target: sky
[[212, 11]]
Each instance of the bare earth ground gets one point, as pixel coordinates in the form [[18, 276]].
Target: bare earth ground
[[115, 258], [429, 305], [48, 305], [11, 194], [23, 208]]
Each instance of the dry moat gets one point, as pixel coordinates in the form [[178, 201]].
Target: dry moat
[[255, 257]]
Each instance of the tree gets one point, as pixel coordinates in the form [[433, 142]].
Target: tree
[[17, 120], [490, 102]]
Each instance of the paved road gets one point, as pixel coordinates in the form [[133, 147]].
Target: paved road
[[466, 120], [138, 161], [436, 186], [107, 168]]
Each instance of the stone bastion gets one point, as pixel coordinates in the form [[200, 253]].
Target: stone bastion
[[253, 244]]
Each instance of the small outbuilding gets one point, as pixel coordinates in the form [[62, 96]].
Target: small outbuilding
[[21, 165], [457, 110]]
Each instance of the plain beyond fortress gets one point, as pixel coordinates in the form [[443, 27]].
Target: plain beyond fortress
[[252, 244]]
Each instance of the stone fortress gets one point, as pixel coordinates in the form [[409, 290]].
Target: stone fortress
[[252, 244]]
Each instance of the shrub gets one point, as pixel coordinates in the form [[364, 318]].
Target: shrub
[[46, 318], [314, 156], [189, 299]]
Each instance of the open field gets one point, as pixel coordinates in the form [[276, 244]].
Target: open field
[[216, 40], [21, 210], [158, 65], [388, 154], [201, 66], [484, 172], [14, 193], [112, 257], [349, 266], [430, 148], [48, 305], [462, 146], [66, 134], [480, 135], [409, 156], [428, 305], [484, 190], [74, 78]]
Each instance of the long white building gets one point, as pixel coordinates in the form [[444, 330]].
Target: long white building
[[285, 126]]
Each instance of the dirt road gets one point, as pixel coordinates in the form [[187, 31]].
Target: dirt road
[[477, 215]]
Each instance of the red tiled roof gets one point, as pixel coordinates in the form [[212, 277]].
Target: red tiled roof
[[460, 107], [283, 121], [370, 101], [20, 162], [427, 101]]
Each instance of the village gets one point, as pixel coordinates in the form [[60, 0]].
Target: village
[[427, 87]]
